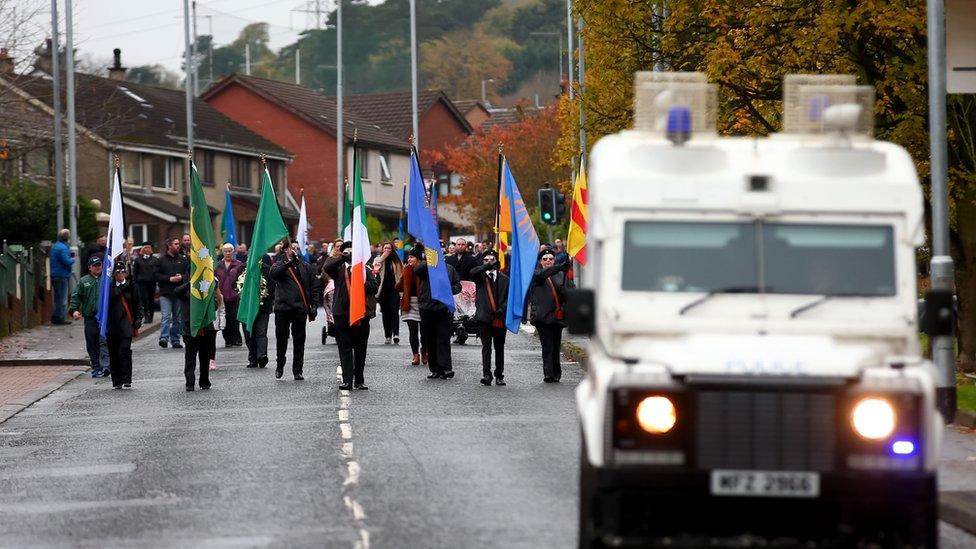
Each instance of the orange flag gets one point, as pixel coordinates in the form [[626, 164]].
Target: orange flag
[[578, 218]]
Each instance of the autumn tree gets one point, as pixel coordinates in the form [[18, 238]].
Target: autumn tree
[[748, 47], [528, 146], [458, 62]]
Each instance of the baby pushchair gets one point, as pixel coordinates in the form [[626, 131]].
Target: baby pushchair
[[464, 323]]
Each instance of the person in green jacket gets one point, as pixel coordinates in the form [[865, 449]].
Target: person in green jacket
[[84, 303]]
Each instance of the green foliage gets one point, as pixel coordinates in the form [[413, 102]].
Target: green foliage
[[966, 395], [28, 214], [156, 75], [374, 228]]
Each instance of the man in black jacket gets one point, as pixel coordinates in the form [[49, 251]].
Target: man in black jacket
[[490, 304], [435, 318], [172, 265], [124, 319], [462, 260], [547, 295], [298, 294], [350, 338], [144, 269]]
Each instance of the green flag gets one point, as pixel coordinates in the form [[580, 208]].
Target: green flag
[[269, 228], [203, 309]]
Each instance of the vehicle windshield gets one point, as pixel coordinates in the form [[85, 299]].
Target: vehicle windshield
[[779, 258]]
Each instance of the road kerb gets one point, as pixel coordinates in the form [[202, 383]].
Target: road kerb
[[10, 409]]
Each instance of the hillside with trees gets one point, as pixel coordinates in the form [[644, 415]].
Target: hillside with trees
[[518, 44]]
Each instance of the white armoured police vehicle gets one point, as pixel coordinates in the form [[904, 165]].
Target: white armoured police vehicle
[[754, 371]]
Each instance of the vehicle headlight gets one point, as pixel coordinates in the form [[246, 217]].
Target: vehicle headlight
[[873, 418], [656, 415]]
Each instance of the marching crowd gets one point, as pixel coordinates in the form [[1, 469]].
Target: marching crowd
[[294, 286]]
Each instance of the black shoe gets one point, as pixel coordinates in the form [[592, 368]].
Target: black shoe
[[486, 381], [448, 374], [547, 380], [177, 345], [127, 385], [262, 362], [435, 375], [252, 364], [499, 381], [279, 371], [205, 387], [163, 343], [189, 388], [361, 387], [299, 377], [396, 340], [116, 386], [345, 387]]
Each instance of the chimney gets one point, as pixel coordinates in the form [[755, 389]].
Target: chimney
[[117, 71], [6, 62]]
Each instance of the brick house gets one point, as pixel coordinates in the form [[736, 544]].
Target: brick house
[[146, 127], [304, 121]]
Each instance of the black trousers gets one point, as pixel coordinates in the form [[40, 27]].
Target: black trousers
[[199, 350], [93, 342], [352, 341], [119, 358], [492, 336], [257, 338], [414, 327], [551, 337], [435, 330], [293, 321], [232, 331], [147, 291], [390, 305]]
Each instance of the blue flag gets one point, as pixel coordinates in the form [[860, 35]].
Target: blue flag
[[525, 251], [403, 219], [422, 224], [114, 245], [228, 231]]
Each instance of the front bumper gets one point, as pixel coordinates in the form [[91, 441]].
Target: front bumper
[[638, 506]]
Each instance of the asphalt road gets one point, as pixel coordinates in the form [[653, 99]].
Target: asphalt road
[[258, 462]]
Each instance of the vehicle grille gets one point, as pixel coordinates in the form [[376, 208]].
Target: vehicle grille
[[765, 431]]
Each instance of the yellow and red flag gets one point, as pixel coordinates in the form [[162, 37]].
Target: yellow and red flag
[[578, 218]]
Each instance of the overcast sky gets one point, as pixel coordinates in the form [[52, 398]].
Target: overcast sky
[[151, 31]]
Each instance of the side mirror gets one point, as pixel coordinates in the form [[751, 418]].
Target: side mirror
[[580, 312], [938, 316]]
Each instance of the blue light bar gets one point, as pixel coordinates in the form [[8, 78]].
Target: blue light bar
[[903, 447], [679, 124]]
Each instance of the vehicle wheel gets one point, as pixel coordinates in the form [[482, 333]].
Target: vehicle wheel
[[587, 529]]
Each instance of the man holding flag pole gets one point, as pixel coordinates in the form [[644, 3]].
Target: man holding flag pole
[[118, 316], [438, 280], [199, 289], [353, 282]]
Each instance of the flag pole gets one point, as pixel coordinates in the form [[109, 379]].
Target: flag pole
[[498, 198]]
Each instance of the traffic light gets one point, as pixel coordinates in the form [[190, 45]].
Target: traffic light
[[560, 199], [547, 205]]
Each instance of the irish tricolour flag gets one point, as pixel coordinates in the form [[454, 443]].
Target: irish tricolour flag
[[360, 249]]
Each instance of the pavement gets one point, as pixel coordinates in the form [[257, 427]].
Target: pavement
[[259, 462]]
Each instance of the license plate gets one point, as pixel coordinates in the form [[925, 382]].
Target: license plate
[[790, 484]]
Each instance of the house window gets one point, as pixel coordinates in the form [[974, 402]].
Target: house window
[[456, 184], [276, 172], [364, 165], [204, 161], [144, 232], [385, 167], [131, 165], [178, 168], [38, 162], [159, 168], [240, 172]]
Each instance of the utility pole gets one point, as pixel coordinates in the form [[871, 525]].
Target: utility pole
[[69, 72], [193, 54], [569, 45], [413, 73], [581, 78], [298, 65], [941, 267], [340, 144], [58, 145], [189, 87], [247, 59]]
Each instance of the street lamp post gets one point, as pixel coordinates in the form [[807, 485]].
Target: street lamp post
[[484, 81]]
